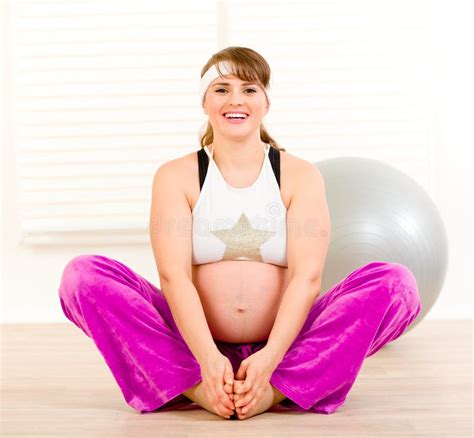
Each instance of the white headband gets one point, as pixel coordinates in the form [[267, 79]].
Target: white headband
[[212, 74]]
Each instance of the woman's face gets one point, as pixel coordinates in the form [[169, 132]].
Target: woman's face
[[235, 95]]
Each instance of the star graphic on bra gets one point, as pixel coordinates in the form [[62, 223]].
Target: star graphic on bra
[[242, 241]]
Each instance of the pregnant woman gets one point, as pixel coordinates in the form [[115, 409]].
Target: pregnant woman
[[240, 231]]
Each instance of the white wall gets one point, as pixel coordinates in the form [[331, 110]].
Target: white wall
[[454, 92], [31, 274]]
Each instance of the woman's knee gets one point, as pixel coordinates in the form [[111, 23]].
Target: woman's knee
[[78, 275], [402, 285]]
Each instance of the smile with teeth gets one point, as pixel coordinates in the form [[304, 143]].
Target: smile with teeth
[[235, 116]]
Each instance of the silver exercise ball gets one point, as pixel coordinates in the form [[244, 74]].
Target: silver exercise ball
[[380, 214]]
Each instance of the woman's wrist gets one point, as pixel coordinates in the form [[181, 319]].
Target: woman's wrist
[[274, 353], [210, 352]]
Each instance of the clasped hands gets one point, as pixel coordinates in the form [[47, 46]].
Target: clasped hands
[[256, 371]]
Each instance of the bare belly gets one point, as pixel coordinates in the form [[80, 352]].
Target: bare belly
[[240, 298]]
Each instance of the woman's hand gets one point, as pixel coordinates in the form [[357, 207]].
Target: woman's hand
[[216, 370], [256, 370]]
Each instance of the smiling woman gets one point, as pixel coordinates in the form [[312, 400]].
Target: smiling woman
[[240, 275], [238, 104], [240, 186], [241, 74]]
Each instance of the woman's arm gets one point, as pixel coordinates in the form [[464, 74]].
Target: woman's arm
[[308, 237], [292, 314], [188, 314], [171, 240]]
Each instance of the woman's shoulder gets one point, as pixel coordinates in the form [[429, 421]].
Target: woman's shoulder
[[183, 169], [294, 173], [293, 166], [297, 165], [186, 169]]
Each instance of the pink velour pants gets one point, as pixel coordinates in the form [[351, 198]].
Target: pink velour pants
[[131, 324]]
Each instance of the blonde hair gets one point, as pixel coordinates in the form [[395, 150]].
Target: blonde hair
[[249, 66]]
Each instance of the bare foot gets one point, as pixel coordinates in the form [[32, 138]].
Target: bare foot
[[266, 402], [198, 395]]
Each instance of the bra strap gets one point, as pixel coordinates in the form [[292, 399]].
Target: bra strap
[[203, 160], [274, 156]]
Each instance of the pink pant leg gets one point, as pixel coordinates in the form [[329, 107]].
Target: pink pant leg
[[131, 324], [370, 308]]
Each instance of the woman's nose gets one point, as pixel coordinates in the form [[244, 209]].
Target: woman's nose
[[236, 97]]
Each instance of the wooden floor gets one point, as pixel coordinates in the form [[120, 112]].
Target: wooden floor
[[56, 383]]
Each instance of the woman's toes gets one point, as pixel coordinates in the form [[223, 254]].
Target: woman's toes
[[254, 408], [240, 415]]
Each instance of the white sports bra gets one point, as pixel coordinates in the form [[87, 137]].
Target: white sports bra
[[231, 223]]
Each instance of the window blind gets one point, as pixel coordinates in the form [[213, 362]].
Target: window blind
[[105, 92], [350, 78]]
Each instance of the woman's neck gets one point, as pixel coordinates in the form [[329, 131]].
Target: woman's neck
[[232, 157]]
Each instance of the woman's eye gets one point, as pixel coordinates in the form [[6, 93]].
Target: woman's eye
[[248, 89]]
